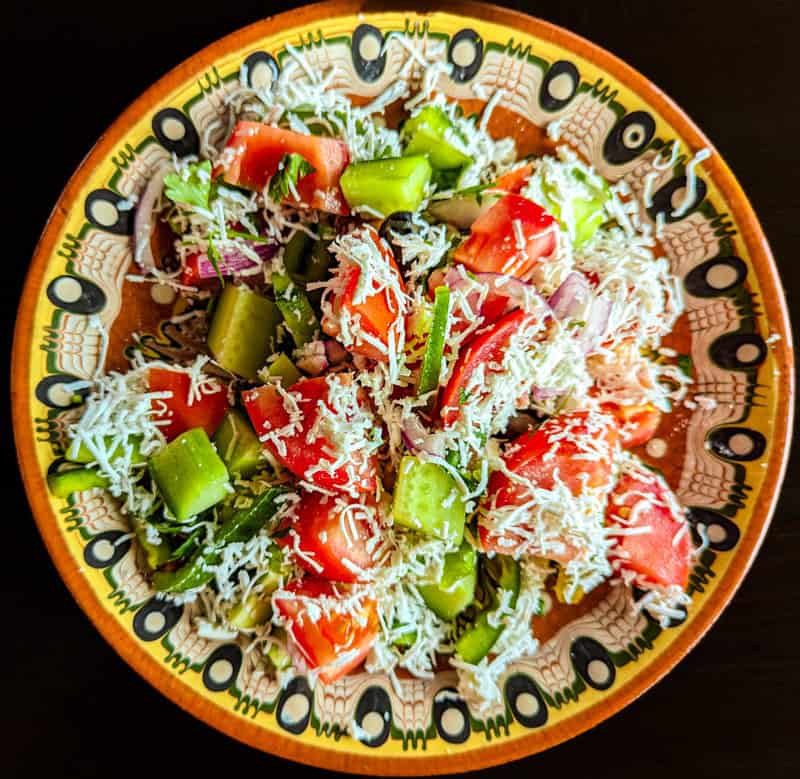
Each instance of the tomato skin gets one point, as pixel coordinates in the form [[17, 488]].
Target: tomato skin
[[492, 244], [642, 499], [637, 423], [525, 457], [514, 180], [323, 641], [264, 406], [254, 151], [486, 347], [377, 313], [319, 532], [207, 412]]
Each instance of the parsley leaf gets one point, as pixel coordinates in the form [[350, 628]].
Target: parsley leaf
[[214, 257], [291, 169], [194, 190]]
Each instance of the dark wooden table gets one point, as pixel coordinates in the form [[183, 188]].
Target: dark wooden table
[[72, 708]]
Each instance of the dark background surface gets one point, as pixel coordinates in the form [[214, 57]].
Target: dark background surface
[[72, 708]]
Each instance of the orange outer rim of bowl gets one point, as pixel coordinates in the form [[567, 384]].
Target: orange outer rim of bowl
[[491, 753]]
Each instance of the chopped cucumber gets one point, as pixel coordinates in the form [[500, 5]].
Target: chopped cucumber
[[256, 608], [464, 207], [386, 186], [456, 589], [498, 573], [432, 362], [298, 315], [237, 444], [190, 475], [84, 456], [243, 331], [155, 555], [431, 133], [68, 480], [284, 369], [428, 499], [295, 251]]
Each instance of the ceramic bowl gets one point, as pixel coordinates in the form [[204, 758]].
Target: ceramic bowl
[[724, 457]]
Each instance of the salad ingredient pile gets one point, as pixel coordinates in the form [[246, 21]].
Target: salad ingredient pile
[[422, 364]]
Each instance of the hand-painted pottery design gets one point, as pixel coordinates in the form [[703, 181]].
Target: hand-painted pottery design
[[724, 457]]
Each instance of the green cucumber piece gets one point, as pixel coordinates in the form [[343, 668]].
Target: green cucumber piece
[[432, 361], [155, 555], [84, 456], [456, 589], [243, 330], [295, 251], [386, 186], [237, 444], [588, 209], [256, 608], [189, 474], [298, 315], [284, 369], [68, 480], [423, 500], [499, 573], [431, 133], [464, 207]]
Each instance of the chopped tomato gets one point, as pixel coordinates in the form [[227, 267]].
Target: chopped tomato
[[662, 554], [254, 151], [512, 237], [514, 180], [294, 449], [579, 445], [637, 423], [486, 348], [332, 537], [332, 642], [377, 313], [206, 411]]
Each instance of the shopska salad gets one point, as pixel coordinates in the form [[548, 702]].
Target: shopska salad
[[424, 362]]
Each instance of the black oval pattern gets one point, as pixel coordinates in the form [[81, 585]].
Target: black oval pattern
[[586, 653], [629, 137], [519, 689], [103, 551], [47, 387], [662, 199], [259, 67], [446, 704], [182, 143], [76, 295], [218, 678], [723, 534], [155, 619], [551, 99], [297, 686], [369, 68], [697, 280], [374, 701], [102, 210], [465, 71], [738, 351], [725, 441]]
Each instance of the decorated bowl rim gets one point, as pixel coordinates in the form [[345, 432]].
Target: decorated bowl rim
[[492, 753]]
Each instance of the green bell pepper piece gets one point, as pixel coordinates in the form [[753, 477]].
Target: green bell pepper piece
[[64, 482], [386, 186], [295, 251], [189, 474], [243, 330], [428, 499], [83, 455], [499, 573], [284, 369], [298, 315], [456, 589], [155, 555], [431, 133], [432, 361], [242, 525], [237, 444]]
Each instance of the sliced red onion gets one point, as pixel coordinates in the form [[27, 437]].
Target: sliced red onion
[[575, 299], [143, 221], [335, 352], [234, 260], [520, 293], [571, 299], [314, 361], [543, 393], [418, 439]]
